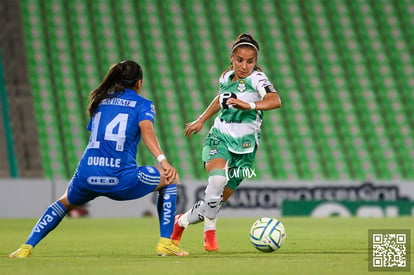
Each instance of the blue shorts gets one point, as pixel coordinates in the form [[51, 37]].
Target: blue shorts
[[142, 181]]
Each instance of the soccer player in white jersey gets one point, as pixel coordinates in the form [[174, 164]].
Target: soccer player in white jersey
[[119, 118], [245, 92]]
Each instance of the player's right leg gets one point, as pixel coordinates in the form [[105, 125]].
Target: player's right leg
[[182, 221], [50, 219], [208, 209], [52, 216]]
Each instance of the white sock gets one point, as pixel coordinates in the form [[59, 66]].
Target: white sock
[[209, 224], [213, 195], [207, 211], [192, 216]]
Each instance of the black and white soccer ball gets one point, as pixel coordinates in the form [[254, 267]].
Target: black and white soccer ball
[[267, 234]]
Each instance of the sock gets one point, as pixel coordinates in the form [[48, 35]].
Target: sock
[[214, 193], [210, 224], [47, 222], [196, 215], [192, 216], [166, 206]]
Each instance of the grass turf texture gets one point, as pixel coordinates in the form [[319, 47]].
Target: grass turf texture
[[127, 246]]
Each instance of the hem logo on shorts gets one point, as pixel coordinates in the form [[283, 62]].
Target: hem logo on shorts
[[247, 145], [103, 180], [213, 151], [150, 169]]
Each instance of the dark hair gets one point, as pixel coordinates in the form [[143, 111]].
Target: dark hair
[[244, 40], [119, 77]]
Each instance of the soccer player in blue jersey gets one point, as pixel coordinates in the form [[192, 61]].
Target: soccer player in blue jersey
[[231, 145], [119, 118]]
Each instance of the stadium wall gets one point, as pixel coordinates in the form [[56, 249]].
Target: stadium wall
[[23, 151], [24, 198]]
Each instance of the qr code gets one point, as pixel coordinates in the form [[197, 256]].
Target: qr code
[[390, 250]]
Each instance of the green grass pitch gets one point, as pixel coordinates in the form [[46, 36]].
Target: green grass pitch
[[127, 246]]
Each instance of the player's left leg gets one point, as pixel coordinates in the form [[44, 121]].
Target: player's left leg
[[166, 207], [52, 216], [212, 202]]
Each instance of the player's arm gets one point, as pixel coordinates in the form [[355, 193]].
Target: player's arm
[[270, 100], [197, 125], [151, 141]]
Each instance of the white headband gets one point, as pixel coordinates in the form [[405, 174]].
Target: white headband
[[245, 43]]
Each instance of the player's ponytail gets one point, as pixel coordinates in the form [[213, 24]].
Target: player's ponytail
[[120, 76]]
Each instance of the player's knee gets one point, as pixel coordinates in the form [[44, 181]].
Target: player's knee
[[162, 180]]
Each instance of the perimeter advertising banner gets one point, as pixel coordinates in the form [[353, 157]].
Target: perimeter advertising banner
[[254, 198], [310, 198], [348, 208]]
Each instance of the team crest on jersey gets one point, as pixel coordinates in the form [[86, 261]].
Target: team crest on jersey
[[242, 86]]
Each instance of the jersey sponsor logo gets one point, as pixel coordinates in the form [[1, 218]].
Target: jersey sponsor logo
[[119, 102], [104, 161], [224, 97], [97, 180]]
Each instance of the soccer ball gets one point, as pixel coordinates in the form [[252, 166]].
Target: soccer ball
[[267, 234]]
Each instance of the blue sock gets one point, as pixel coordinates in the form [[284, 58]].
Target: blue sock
[[47, 222], [166, 206]]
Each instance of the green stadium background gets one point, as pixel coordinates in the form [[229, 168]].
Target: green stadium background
[[344, 70]]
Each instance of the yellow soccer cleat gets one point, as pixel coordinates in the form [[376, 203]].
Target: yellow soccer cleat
[[23, 252], [166, 247]]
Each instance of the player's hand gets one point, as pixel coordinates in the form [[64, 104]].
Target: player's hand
[[193, 127], [238, 104], [170, 173]]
